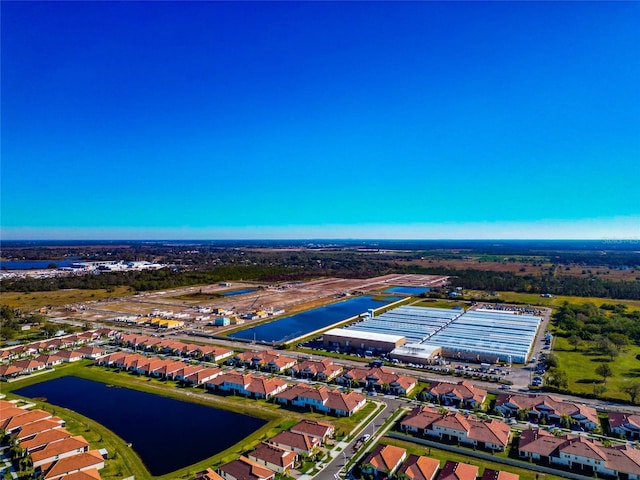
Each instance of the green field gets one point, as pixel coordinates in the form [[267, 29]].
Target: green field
[[581, 365], [123, 461], [555, 301], [33, 300]]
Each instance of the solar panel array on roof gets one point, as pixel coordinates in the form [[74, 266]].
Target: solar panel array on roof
[[414, 323], [489, 334]]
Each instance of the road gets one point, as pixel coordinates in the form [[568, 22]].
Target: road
[[337, 464]]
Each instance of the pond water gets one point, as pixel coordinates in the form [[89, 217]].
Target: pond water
[[166, 434], [407, 290], [34, 264], [306, 322], [233, 293]]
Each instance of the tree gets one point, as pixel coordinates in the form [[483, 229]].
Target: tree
[[599, 389], [551, 361], [557, 378], [49, 329], [604, 370], [574, 341], [632, 389], [619, 340]]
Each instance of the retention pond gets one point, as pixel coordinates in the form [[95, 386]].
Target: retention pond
[[166, 434], [303, 323]]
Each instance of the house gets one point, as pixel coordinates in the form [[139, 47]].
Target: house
[[379, 378], [322, 399], [458, 471], [59, 449], [10, 371], [202, 376], [270, 361], [245, 469], [461, 394], [384, 460], [418, 467], [625, 424], [296, 442], [580, 454], [274, 458], [49, 360], [77, 463], [91, 352], [320, 430], [498, 475], [455, 427], [88, 474], [22, 419], [213, 354], [29, 366], [549, 409], [256, 386], [169, 368], [41, 439], [148, 366], [70, 355], [208, 474], [187, 370], [32, 429], [324, 370]]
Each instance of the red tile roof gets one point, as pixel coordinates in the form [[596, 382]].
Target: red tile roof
[[458, 471], [246, 469], [417, 467], [274, 455], [297, 441], [385, 458]]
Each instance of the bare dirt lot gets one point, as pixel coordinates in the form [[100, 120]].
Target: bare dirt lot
[[291, 297]]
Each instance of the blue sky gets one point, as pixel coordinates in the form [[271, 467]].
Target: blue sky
[[320, 120]]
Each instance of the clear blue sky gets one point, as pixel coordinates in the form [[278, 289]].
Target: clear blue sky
[[311, 120]]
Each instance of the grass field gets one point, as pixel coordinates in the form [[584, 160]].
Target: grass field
[[123, 461], [443, 456], [33, 300], [555, 301], [581, 366]]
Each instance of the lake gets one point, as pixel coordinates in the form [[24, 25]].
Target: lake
[[233, 293], [306, 322], [407, 290], [34, 264], [167, 434]]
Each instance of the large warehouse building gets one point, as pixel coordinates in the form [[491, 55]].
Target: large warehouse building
[[344, 339], [418, 334]]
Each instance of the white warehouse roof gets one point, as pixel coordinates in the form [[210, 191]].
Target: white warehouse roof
[[350, 333]]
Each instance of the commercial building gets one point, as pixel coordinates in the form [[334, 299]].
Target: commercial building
[[349, 339]]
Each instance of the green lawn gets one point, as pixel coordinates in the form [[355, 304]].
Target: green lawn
[[32, 300], [555, 301], [581, 366]]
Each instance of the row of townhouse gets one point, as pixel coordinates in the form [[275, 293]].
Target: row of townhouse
[[269, 361], [173, 347], [378, 378], [548, 409], [453, 426], [54, 452], [160, 367], [277, 455], [54, 344], [462, 394], [28, 366], [581, 454], [320, 399], [388, 460]]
